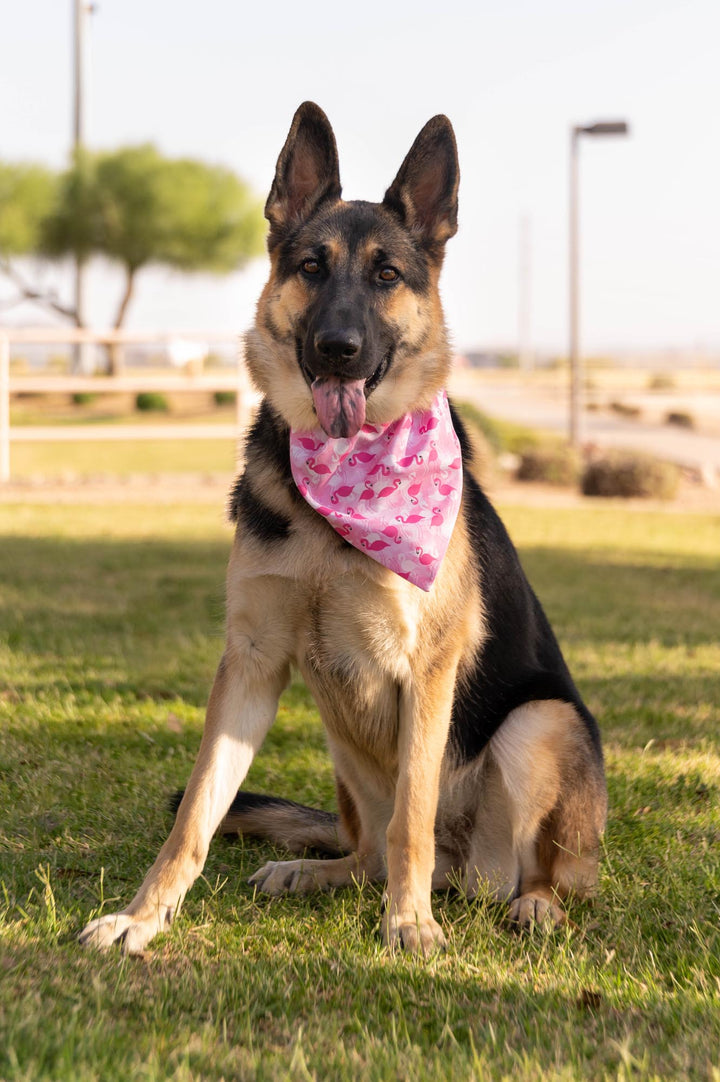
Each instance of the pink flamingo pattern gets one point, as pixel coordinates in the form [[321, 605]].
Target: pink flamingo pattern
[[400, 475], [342, 491], [309, 444]]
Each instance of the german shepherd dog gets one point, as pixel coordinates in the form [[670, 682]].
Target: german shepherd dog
[[463, 753]]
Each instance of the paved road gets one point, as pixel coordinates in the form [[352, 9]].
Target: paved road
[[524, 405]]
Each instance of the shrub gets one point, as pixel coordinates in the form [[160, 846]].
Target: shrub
[[83, 398], [484, 450], [224, 398], [680, 418], [628, 474], [480, 422], [661, 381], [148, 401], [502, 436], [554, 465], [624, 410]]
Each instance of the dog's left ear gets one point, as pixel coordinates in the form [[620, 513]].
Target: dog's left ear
[[424, 194], [307, 172]]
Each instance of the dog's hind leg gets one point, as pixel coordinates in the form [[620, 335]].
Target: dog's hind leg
[[557, 805], [242, 706], [493, 864], [306, 875], [299, 828]]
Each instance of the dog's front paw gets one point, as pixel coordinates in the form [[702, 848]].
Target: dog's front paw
[[533, 909], [131, 930], [412, 933]]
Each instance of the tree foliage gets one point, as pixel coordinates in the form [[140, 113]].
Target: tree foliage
[[27, 195], [133, 206], [71, 225]]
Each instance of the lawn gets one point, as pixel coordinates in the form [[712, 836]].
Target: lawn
[[51, 459], [110, 629], [93, 458]]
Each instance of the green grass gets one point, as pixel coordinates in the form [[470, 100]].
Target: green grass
[[110, 628], [506, 435], [49, 459], [122, 458]]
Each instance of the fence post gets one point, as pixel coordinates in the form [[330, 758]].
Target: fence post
[[4, 408]]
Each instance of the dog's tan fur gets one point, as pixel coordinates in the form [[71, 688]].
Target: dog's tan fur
[[384, 661]]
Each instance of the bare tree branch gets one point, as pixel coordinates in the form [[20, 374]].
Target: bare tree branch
[[28, 293]]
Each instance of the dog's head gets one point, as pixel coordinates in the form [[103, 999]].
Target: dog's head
[[349, 326]]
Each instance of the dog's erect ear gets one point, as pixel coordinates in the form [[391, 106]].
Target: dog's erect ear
[[307, 171], [424, 194]]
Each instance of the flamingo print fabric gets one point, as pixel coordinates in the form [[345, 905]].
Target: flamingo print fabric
[[393, 491]]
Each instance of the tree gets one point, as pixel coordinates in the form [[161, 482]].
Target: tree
[[27, 196], [137, 208]]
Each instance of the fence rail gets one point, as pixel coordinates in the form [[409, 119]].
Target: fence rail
[[235, 379]]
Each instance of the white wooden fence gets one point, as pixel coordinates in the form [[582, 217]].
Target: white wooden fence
[[192, 378]]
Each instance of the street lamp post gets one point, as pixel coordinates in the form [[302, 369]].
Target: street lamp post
[[613, 127]]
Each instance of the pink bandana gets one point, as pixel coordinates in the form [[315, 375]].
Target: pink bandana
[[393, 491]]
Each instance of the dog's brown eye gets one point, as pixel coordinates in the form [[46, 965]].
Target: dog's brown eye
[[388, 274], [310, 266]]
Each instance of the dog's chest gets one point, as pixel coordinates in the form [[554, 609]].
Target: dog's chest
[[356, 653], [357, 627]]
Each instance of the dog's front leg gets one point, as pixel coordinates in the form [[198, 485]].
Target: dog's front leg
[[425, 709], [242, 706]]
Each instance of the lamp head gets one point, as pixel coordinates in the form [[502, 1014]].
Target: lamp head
[[604, 127]]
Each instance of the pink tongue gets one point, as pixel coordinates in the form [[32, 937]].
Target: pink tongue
[[340, 405]]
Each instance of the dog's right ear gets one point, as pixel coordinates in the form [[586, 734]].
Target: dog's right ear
[[307, 172]]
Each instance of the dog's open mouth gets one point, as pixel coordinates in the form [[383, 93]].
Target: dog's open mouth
[[340, 403]]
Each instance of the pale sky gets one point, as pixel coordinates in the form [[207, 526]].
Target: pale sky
[[220, 80]]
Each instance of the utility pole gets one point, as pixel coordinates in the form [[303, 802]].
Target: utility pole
[[81, 11], [574, 433], [525, 350]]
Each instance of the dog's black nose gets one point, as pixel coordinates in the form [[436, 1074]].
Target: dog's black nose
[[338, 344]]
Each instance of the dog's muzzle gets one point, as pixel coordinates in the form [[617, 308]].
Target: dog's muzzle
[[338, 387]]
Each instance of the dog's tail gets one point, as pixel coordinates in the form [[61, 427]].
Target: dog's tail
[[283, 822]]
